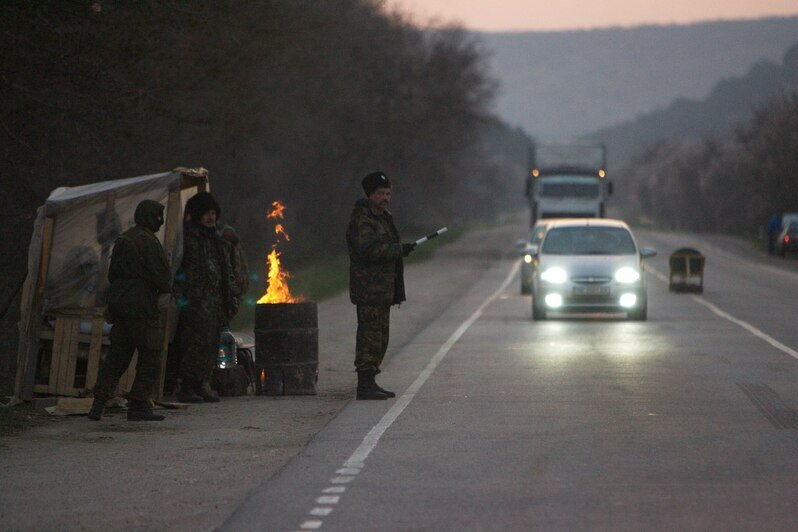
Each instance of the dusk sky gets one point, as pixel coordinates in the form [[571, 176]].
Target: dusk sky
[[555, 15]]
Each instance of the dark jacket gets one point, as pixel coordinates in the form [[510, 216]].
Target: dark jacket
[[204, 282], [376, 272], [139, 270]]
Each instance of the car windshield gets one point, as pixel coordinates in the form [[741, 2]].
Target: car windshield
[[588, 241]]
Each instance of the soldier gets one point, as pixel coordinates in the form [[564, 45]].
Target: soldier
[[206, 290], [376, 279], [137, 274]]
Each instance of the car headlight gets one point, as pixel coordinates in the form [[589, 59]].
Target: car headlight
[[528, 259], [627, 275], [554, 275]]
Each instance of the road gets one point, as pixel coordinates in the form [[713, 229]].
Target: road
[[686, 421]]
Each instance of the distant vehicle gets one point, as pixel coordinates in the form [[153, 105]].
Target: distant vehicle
[[590, 265], [529, 249], [788, 239], [567, 181]]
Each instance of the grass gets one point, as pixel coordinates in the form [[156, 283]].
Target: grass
[[327, 278]]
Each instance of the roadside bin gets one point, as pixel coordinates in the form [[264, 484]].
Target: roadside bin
[[686, 271]]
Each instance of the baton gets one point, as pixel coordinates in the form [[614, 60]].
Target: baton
[[432, 235]]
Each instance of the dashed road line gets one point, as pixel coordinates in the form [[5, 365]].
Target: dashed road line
[[355, 463], [725, 315]]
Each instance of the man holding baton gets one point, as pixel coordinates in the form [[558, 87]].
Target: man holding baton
[[376, 279]]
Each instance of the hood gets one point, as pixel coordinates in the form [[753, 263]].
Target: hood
[[149, 214]]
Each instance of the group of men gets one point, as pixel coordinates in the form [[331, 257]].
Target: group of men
[[209, 285]]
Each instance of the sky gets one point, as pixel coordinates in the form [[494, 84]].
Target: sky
[[557, 15]]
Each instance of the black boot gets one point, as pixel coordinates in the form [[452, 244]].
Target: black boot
[[367, 388], [97, 408], [207, 394], [141, 411], [186, 393], [380, 388]]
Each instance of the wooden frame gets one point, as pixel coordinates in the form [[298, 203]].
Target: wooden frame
[[67, 340]]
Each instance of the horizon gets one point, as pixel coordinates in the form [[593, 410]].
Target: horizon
[[522, 16]]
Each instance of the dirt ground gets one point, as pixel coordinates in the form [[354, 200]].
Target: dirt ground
[[191, 471]]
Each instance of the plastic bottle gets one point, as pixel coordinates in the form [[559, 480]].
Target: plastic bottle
[[227, 350]]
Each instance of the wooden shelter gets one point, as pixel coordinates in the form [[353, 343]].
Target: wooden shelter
[[63, 333]]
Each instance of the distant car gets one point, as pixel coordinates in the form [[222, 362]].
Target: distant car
[[788, 239], [590, 265], [528, 251]]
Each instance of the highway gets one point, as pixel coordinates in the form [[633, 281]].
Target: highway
[[685, 421]]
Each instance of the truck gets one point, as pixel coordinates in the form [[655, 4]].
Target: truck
[[567, 181]]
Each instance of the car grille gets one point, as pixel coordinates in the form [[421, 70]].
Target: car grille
[[591, 280]]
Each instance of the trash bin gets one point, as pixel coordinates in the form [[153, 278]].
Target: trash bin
[[686, 271]]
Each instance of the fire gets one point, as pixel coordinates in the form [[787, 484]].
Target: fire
[[277, 290]]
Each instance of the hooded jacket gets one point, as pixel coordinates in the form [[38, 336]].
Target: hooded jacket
[[139, 270], [376, 270]]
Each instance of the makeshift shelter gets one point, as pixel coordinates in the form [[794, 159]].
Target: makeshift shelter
[[63, 333]]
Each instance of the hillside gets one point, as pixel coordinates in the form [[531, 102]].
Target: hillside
[[564, 84], [730, 103]]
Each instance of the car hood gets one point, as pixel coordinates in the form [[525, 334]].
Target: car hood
[[589, 265]]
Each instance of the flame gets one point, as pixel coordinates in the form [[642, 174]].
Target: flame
[[277, 290]]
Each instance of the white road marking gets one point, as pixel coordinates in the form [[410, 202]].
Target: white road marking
[[355, 463], [725, 315], [374, 435]]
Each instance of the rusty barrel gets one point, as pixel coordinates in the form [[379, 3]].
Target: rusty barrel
[[286, 348]]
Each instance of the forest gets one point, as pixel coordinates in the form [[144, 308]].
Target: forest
[[728, 184], [291, 100]]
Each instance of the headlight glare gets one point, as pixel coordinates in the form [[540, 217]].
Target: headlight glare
[[554, 275], [627, 275], [528, 259]]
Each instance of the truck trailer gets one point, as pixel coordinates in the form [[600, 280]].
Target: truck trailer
[[567, 181]]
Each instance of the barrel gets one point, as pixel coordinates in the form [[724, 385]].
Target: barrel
[[286, 348]]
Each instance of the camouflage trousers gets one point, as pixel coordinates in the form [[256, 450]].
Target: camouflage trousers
[[128, 335], [372, 336], [198, 343]]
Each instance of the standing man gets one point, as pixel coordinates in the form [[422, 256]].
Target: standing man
[[376, 279], [207, 288], [137, 274]]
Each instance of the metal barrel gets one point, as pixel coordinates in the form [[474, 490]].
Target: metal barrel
[[286, 348]]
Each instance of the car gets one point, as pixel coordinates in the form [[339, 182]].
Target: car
[[590, 265], [528, 250], [787, 239]]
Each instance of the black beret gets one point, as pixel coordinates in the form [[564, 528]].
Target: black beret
[[375, 180]]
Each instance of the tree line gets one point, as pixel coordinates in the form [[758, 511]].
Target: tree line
[[293, 100], [732, 184]]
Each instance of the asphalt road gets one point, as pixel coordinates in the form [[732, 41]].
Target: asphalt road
[[686, 421]]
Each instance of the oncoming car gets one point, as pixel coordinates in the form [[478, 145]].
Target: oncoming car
[[590, 265], [528, 251]]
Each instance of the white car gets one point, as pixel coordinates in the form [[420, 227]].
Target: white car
[[590, 265]]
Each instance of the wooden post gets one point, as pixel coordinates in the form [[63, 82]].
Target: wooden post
[[173, 222], [27, 360]]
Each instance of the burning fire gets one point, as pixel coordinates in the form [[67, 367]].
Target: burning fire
[[277, 289]]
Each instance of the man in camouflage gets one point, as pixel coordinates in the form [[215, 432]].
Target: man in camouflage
[[206, 290], [138, 272], [376, 279]]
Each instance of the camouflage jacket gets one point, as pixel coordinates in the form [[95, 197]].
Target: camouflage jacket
[[138, 271], [376, 272], [205, 281]]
